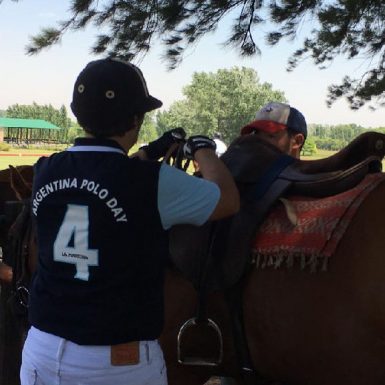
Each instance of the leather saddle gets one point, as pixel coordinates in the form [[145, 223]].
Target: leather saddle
[[216, 254]]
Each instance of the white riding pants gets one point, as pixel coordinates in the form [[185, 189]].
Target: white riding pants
[[51, 360]]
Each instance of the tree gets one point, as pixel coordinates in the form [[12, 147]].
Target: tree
[[35, 111], [336, 137], [179, 115], [148, 131], [351, 28], [73, 132], [223, 102]]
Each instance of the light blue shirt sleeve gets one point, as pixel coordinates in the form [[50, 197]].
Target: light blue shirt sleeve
[[184, 199]]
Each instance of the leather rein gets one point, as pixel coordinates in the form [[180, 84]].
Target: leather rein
[[19, 252]]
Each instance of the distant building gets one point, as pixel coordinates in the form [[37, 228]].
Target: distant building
[[14, 130]]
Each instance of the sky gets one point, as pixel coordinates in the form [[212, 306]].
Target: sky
[[47, 78]]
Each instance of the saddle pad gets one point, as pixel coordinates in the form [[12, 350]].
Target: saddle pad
[[320, 225]]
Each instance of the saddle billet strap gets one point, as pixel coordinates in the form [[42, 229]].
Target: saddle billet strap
[[261, 197], [251, 218], [264, 183], [246, 367], [207, 267]]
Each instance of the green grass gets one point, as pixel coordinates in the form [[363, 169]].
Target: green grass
[[5, 160], [20, 156], [319, 155]]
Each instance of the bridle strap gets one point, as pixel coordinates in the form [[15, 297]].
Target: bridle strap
[[177, 149], [170, 151]]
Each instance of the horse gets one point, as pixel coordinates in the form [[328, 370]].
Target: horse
[[301, 329], [10, 332]]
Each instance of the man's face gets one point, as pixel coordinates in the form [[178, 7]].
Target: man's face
[[289, 144]]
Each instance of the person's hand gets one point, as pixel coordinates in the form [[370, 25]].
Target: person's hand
[[195, 143], [5, 273], [159, 147]]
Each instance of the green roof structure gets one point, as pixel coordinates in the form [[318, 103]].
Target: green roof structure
[[27, 131], [27, 123]]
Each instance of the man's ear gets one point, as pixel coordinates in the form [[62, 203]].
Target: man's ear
[[135, 123], [138, 120], [298, 140]]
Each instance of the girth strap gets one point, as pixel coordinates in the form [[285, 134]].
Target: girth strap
[[234, 295], [234, 301], [263, 184]]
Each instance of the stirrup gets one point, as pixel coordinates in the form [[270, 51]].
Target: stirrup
[[197, 361]]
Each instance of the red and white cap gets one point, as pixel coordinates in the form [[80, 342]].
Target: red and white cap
[[275, 117]]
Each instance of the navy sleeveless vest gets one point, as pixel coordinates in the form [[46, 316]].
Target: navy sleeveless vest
[[102, 248]]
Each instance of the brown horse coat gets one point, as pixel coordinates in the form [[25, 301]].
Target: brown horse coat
[[303, 328]]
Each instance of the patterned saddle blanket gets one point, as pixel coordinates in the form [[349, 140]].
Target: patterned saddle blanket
[[303, 231]]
